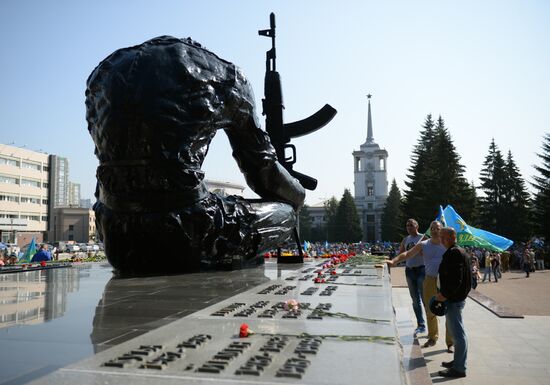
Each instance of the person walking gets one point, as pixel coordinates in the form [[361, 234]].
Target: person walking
[[505, 260], [539, 256], [432, 252], [455, 277], [487, 268], [414, 272], [494, 266], [527, 262], [475, 271]]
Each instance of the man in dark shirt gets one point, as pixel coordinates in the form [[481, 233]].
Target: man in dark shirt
[[455, 280]]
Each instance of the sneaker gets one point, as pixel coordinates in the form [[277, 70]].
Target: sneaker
[[429, 343], [450, 349], [451, 373], [448, 365], [419, 330]]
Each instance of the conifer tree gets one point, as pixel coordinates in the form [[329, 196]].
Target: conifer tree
[[392, 216], [416, 202], [348, 226], [451, 186], [516, 203], [436, 176], [331, 207], [305, 223], [493, 182], [541, 212]]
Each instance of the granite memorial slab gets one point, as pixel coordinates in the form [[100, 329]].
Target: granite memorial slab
[[356, 344]]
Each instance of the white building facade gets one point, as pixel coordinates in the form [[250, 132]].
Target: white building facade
[[370, 183], [24, 192]]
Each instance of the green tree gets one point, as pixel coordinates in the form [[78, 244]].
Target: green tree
[[331, 207], [305, 223], [493, 184], [392, 216], [517, 203], [541, 212], [436, 176], [451, 187], [318, 234], [416, 202], [348, 226]]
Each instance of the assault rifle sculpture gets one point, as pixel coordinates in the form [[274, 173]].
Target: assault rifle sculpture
[[152, 111], [281, 133]]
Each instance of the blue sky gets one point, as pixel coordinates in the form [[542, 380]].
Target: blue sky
[[483, 65]]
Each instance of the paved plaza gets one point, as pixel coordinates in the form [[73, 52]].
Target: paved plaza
[[501, 350]]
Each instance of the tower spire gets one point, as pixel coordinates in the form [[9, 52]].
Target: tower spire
[[370, 138]]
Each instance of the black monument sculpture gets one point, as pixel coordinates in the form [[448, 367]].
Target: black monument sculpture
[[152, 111]]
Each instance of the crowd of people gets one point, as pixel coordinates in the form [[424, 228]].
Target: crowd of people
[[326, 249], [486, 263]]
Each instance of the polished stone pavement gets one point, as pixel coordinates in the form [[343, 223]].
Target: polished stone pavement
[[50, 319], [352, 341]]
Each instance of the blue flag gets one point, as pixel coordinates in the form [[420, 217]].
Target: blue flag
[[440, 217], [31, 251], [470, 236]]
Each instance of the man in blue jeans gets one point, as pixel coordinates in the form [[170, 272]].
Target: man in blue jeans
[[455, 278], [415, 272]]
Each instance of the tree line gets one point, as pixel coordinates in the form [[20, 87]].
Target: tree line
[[342, 223], [500, 203], [436, 177]]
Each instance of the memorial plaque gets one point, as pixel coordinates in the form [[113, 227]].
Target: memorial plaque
[[300, 331]]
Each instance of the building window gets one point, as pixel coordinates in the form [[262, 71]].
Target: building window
[[369, 206], [30, 217], [9, 198], [370, 218], [71, 227], [9, 215], [382, 164], [45, 201], [45, 168], [30, 182], [45, 185], [370, 191], [71, 237], [30, 200], [32, 166], [357, 164], [9, 162], [8, 179], [44, 218]]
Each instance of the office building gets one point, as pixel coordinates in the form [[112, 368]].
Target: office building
[[24, 194]]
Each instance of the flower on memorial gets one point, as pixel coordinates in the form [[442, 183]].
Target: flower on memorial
[[291, 305], [43, 263], [245, 331], [333, 272]]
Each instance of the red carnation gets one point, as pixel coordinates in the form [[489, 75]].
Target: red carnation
[[245, 331]]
